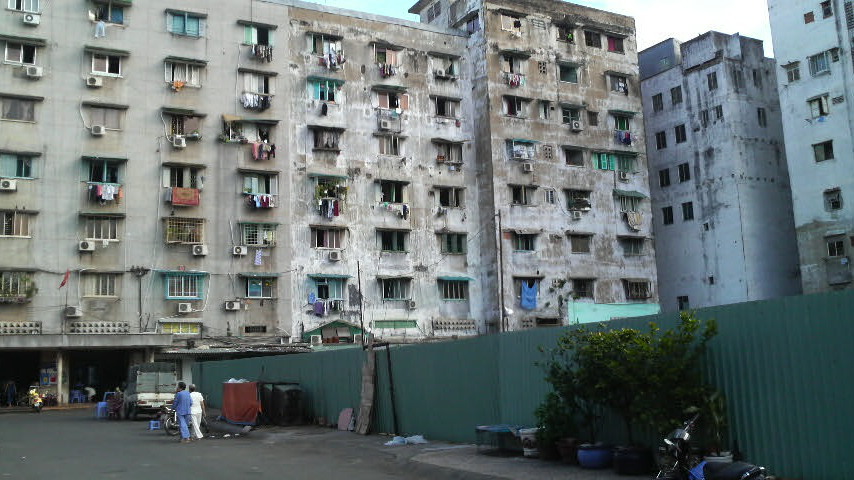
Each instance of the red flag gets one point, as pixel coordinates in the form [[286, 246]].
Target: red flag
[[65, 278]]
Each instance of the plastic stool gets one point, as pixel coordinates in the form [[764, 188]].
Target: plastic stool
[[101, 411], [154, 425]]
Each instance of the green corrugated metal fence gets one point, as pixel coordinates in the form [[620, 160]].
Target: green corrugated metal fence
[[785, 367]]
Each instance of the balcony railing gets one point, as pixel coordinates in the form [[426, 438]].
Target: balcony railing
[[104, 193], [514, 79], [99, 327], [261, 200], [331, 61], [256, 101], [20, 328], [402, 210], [389, 120], [623, 137]]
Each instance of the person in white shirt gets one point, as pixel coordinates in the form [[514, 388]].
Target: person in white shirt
[[197, 410]]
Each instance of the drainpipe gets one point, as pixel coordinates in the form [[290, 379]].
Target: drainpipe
[[139, 272], [500, 276]]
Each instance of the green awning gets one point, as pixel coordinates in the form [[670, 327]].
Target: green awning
[[623, 112], [327, 175], [259, 274], [329, 275], [316, 78], [105, 158], [171, 273], [515, 53], [395, 324], [628, 193], [388, 88], [523, 140], [392, 277], [451, 278]]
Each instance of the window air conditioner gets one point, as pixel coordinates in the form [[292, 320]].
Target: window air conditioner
[[98, 130], [73, 312], [185, 308], [623, 176], [232, 306], [410, 304], [439, 72], [335, 256], [316, 340], [33, 71], [385, 125], [239, 250], [576, 126], [200, 250], [86, 246], [31, 19], [178, 141], [8, 185], [94, 81], [576, 214], [527, 167]]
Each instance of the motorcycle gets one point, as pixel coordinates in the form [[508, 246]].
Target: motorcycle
[[169, 422], [679, 465], [35, 400]]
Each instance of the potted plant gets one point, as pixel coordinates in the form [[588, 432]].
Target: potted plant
[[716, 424], [555, 417]]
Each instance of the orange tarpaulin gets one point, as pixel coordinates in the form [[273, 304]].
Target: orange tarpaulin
[[185, 196], [240, 403]]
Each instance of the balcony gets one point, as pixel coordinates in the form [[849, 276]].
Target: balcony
[[20, 328], [623, 137], [183, 197], [13, 297], [104, 194], [514, 80], [399, 209], [331, 61], [262, 53], [260, 201], [100, 328], [256, 101], [387, 70], [389, 120]]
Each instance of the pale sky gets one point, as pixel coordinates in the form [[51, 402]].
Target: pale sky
[[656, 20]]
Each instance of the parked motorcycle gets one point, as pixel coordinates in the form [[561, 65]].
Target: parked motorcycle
[[676, 454], [35, 400], [169, 421]]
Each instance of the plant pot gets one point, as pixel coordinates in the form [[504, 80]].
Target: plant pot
[[632, 460], [529, 442], [595, 456], [568, 450]]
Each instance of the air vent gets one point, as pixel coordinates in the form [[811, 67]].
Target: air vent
[[576, 126], [33, 71], [410, 304], [178, 141]]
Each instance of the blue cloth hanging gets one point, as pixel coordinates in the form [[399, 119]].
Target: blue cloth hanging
[[529, 294]]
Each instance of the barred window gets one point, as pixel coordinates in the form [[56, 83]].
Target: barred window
[[14, 284], [632, 246], [189, 75], [454, 289], [395, 288], [329, 288], [524, 242], [582, 287], [184, 286], [392, 240], [637, 290], [185, 230], [453, 243], [259, 234], [450, 196], [180, 328], [101, 284], [580, 243], [102, 228], [326, 237], [263, 287], [15, 224]]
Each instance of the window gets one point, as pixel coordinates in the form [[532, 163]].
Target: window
[[184, 124], [819, 64], [565, 33], [676, 95], [757, 78], [448, 152], [15, 165], [254, 329], [181, 328], [629, 203], [570, 114], [582, 287], [793, 72], [637, 289], [512, 24], [392, 240], [447, 107], [681, 133], [392, 100], [592, 39], [615, 44], [687, 211], [761, 117], [258, 183], [719, 112], [325, 45], [395, 288], [626, 163], [107, 64], [31, 6], [389, 145], [704, 118], [568, 73], [712, 80], [515, 107], [20, 53], [683, 303], [185, 230], [664, 177], [684, 172], [385, 56], [184, 286], [579, 243], [522, 195], [450, 197], [16, 108], [592, 118], [101, 284], [550, 196], [16, 284], [573, 156], [667, 215], [110, 13], [101, 228], [632, 246], [391, 191], [326, 90], [826, 9], [109, 118], [473, 24], [545, 109], [433, 11], [257, 35], [453, 243], [329, 288], [661, 140], [809, 17], [15, 224], [657, 102], [182, 73], [257, 83], [102, 171], [258, 234], [823, 151], [524, 242], [521, 150], [454, 289], [326, 138], [818, 106], [185, 23], [261, 287], [832, 199], [605, 161], [835, 247], [619, 83], [622, 122], [737, 78], [578, 200], [322, 237]]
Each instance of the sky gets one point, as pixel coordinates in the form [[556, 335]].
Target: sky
[[656, 20]]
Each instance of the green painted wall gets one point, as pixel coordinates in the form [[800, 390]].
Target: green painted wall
[[582, 312]]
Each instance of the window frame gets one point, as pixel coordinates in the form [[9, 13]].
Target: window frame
[[823, 151], [819, 64], [260, 288], [568, 70], [392, 240], [191, 286], [832, 199], [450, 197], [102, 285], [819, 106], [15, 224], [664, 177], [396, 289], [522, 195], [101, 228], [194, 234], [453, 243], [657, 102], [11, 5], [326, 238], [22, 49], [616, 44], [687, 211], [580, 243], [681, 133], [712, 80], [25, 111], [676, 95], [667, 215], [633, 246], [17, 165], [684, 170], [453, 290], [191, 76], [524, 242], [114, 61]]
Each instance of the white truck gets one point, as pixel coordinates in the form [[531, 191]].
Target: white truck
[[149, 387]]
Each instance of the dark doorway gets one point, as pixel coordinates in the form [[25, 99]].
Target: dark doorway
[[103, 370], [20, 366]]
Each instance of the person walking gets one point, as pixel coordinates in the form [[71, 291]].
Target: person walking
[[183, 405], [197, 411]]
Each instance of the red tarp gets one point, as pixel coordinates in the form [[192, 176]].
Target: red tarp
[[240, 403]]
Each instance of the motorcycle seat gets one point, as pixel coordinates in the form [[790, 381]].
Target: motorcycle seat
[[731, 471]]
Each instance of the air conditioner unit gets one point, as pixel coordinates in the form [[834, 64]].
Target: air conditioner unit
[[185, 308], [31, 19], [439, 72], [358, 339], [385, 125], [527, 167], [239, 250], [200, 250], [94, 81], [33, 71], [576, 126], [86, 246], [73, 312], [98, 130], [232, 306], [623, 176], [410, 304], [178, 141], [576, 214], [316, 340], [441, 211], [335, 256], [8, 185]]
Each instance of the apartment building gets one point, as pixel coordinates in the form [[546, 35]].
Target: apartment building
[[287, 171], [720, 187], [814, 77]]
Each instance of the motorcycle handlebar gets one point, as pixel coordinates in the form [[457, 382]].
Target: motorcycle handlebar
[[690, 423]]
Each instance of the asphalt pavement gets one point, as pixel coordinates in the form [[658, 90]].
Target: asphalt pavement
[[71, 444]]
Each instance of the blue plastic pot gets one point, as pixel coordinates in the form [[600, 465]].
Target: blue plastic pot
[[595, 456]]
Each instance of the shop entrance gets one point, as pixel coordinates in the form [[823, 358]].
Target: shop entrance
[[20, 366], [103, 370]]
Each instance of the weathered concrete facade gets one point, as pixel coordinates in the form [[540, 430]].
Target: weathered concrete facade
[[720, 185], [812, 42]]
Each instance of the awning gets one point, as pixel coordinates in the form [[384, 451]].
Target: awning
[[580, 234], [116, 106], [185, 164], [628, 193], [105, 158], [189, 61], [101, 214], [256, 223], [185, 12], [106, 51], [515, 53], [265, 73], [453, 278], [443, 55], [231, 118], [257, 24], [525, 231], [261, 171], [331, 36], [386, 44], [536, 276], [327, 175], [623, 112], [392, 277], [20, 152], [168, 273], [325, 127], [38, 42], [447, 140], [262, 121], [445, 97], [329, 275], [189, 112], [621, 74], [316, 78], [388, 88], [523, 140], [573, 105], [259, 274]]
